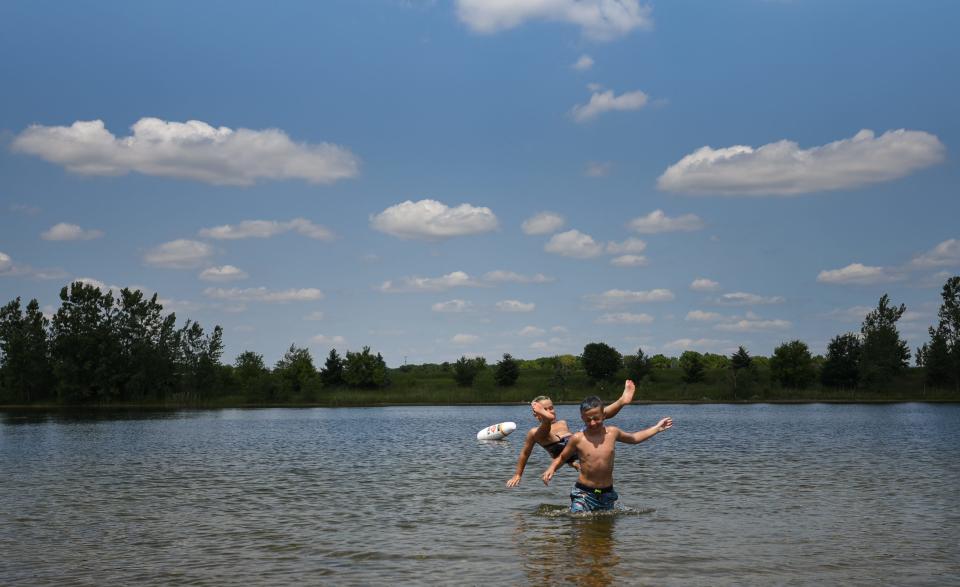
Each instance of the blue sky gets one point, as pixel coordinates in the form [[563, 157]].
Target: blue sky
[[437, 179]]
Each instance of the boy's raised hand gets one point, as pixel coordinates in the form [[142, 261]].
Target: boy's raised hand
[[664, 424], [539, 411]]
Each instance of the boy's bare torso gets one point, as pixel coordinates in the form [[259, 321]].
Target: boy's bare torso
[[596, 449]]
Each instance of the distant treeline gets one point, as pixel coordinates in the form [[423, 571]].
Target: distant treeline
[[104, 349]]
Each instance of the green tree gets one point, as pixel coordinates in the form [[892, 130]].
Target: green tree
[[661, 362], [792, 366], [147, 341], [692, 364], [466, 370], [935, 359], [715, 361], [842, 365], [507, 371], [84, 347], [740, 363], [365, 370], [883, 353], [295, 371], [198, 359], [26, 373], [949, 315], [331, 373], [638, 366], [600, 361]]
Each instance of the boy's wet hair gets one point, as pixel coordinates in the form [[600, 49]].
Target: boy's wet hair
[[591, 402], [540, 398]]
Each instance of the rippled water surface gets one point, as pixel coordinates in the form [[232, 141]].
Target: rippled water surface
[[761, 494]]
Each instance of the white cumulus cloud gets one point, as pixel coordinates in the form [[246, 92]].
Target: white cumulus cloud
[[433, 220], [263, 294], [704, 284], [415, 284], [701, 345], [69, 232], [542, 223], [187, 150], [179, 254], [515, 306], [629, 261], [657, 222], [619, 297], [606, 101], [857, 274], [784, 169], [223, 273], [573, 243], [267, 229], [600, 20], [6, 263]]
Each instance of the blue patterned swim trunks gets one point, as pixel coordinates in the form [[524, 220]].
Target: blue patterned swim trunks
[[590, 499]]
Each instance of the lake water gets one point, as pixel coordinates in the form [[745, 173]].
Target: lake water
[[732, 495]]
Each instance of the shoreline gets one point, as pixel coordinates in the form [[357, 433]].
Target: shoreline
[[297, 405]]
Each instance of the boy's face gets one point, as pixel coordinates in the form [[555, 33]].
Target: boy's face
[[593, 417]]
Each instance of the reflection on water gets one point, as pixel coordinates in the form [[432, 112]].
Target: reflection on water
[[732, 495]]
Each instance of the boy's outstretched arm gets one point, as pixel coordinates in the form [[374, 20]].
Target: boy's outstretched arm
[[522, 460], [625, 398], [641, 435], [565, 454]]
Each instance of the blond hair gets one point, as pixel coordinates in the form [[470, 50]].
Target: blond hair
[[540, 398]]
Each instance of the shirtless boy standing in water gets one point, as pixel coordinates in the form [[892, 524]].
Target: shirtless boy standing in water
[[596, 445], [553, 434]]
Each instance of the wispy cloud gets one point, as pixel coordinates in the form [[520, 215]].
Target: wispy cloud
[[433, 220], [263, 294], [701, 316], [223, 273], [452, 306], [624, 318], [462, 339], [658, 222], [267, 229], [746, 299], [418, 284], [515, 306], [607, 101], [619, 297], [187, 150], [500, 276], [598, 168], [584, 63], [784, 169]]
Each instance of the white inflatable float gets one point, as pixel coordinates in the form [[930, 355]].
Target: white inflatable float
[[497, 431]]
